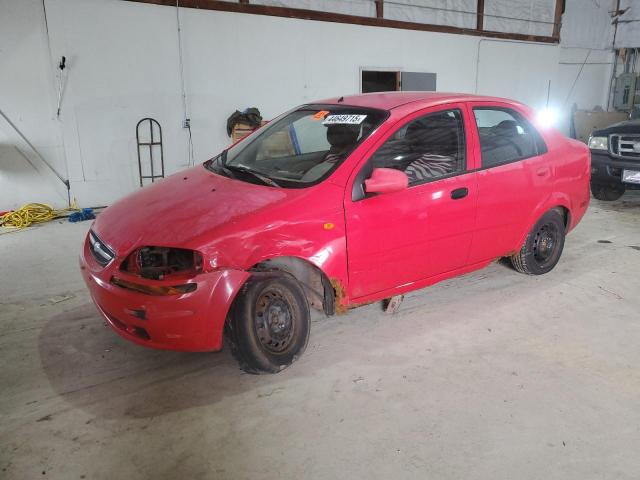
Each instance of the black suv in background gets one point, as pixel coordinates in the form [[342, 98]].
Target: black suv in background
[[615, 159]]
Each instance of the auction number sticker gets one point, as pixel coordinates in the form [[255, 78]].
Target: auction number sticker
[[344, 120]]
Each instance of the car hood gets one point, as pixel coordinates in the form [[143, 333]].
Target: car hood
[[628, 126], [180, 209]]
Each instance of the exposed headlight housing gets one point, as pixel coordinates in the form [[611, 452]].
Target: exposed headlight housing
[[598, 143], [158, 263]]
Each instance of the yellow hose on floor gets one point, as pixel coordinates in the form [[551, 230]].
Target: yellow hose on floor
[[33, 213]]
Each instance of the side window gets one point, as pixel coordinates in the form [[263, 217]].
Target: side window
[[505, 136], [425, 149]]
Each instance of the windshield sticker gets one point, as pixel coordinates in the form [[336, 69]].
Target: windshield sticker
[[321, 114], [344, 119]]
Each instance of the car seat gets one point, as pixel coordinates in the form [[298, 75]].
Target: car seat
[[435, 140]]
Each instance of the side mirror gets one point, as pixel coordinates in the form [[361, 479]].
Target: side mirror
[[386, 180]]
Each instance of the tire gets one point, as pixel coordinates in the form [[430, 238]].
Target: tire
[[607, 194], [543, 246], [269, 324]]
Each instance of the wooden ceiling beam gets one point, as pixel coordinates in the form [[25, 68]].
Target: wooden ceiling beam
[[557, 20], [322, 16], [480, 16]]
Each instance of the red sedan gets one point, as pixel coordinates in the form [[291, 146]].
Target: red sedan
[[332, 205]]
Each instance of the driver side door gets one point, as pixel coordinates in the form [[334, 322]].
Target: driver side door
[[396, 239]]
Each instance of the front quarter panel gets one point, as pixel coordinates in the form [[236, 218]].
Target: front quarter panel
[[309, 226]]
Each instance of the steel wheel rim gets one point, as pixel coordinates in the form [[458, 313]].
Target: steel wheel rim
[[546, 243], [274, 321]]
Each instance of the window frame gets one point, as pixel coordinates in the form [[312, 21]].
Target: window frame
[[538, 140], [357, 189]]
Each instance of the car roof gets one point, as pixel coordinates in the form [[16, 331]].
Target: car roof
[[391, 100]]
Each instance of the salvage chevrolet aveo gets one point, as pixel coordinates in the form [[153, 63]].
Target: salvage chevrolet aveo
[[333, 205]]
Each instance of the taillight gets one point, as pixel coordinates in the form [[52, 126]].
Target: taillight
[[157, 263]]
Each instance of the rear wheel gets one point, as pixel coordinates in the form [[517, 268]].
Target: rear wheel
[[606, 193], [270, 323], [543, 246]]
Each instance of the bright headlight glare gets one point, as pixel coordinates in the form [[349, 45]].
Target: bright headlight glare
[[548, 117], [598, 143]]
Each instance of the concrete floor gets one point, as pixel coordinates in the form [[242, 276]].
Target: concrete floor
[[492, 375]]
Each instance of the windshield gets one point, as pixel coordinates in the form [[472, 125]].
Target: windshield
[[302, 148]]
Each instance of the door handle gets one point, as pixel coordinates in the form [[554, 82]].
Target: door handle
[[459, 193], [543, 171]]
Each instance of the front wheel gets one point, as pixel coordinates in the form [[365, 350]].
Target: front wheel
[[269, 324], [543, 246], [605, 193]]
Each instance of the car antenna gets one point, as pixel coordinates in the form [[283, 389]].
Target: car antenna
[[341, 99]]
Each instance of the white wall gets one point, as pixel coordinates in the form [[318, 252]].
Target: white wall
[[123, 65], [587, 24], [524, 71], [584, 76], [27, 99], [628, 34], [586, 56], [300, 61]]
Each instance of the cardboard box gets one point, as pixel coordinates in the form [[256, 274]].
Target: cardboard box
[[240, 130], [588, 121]]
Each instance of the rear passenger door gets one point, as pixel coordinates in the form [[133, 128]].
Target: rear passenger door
[[513, 177]]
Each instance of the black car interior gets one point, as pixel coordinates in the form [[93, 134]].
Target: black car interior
[[427, 148], [505, 142]]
